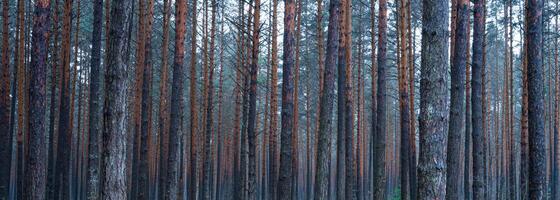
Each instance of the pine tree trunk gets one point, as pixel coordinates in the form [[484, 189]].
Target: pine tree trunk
[[478, 137], [535, 75], [164, 103], [433, 95], [327, 103], [286, 147], [273, 149], [95, 106], [381, 114], [36, 165], [206, 193], [114, 109], [404, 103], [251, 131], [193, 107], [62, 175], [173, 162], [5, 135], [457, 116]]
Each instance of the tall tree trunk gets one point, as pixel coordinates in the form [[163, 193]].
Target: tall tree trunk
[[478, 137], [206, 192], [326, 103], [5, 135], [381, 115], [457, 117], [285, 180], [433, 97], [56, 69], [36, 165], [193, 107], [114, 109], [273, 149], [62, 186], [173, 167], [345, 61], [251, 131], [146, 107], [164, 103], [468, 125], [372, 172], [95, 106], [404, 100], [535, 75]]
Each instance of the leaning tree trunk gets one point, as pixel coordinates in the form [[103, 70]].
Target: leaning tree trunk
[[327, 103], [433, 98], [36, 165], [457, 115]]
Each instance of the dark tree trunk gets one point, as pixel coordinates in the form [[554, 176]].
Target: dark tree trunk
[[273, 149], [95, 106], [114, 109], [381, 115], [476, 101], [535, 83], [251, 131], [5, 135], [285, 183], [206, 190], [164, 103], [457, 113], [193, 106], [433, 97], [173, 162], [36, 165], [404, 101], [62, 174], [327, 101]]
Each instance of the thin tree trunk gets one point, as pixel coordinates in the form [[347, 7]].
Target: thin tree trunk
[[164, 103], [273, 149], [193, 107], [206, 192]]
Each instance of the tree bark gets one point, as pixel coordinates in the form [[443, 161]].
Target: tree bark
[[381, 115], [327, 101], [535, 83], [273, 149], [95, 106], [478, 137], [173, 167], [5, 135], [115, 131], [457, 116], [285, 181], [36, 165], [433, 97]]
